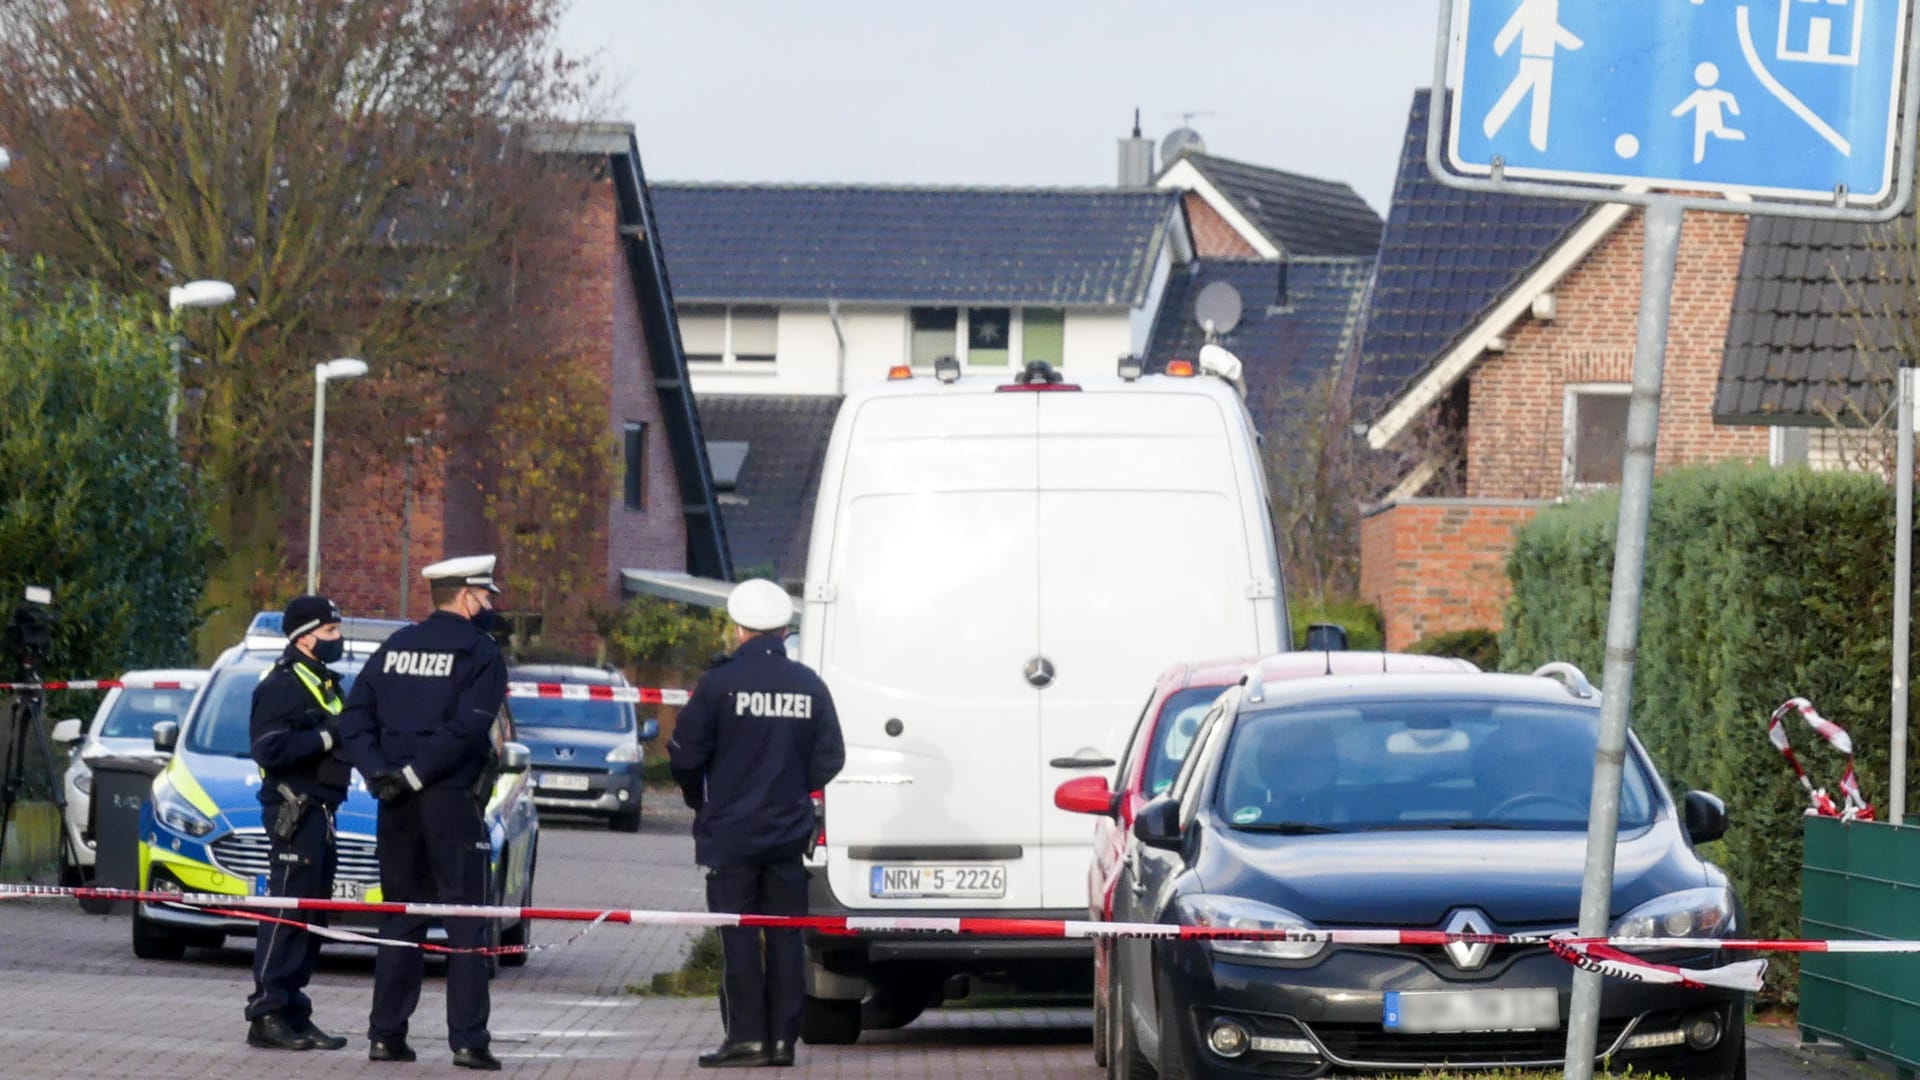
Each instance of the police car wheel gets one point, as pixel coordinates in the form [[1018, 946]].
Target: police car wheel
[[826, 1022], [152, 942], [519, 934]]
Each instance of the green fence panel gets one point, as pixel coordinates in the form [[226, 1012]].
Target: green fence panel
[[1862, 880]]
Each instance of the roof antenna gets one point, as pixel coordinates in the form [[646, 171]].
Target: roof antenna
[[1329, 655], [1136, 121]]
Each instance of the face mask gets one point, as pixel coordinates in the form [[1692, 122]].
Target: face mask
[[328, 651], [484, 620]]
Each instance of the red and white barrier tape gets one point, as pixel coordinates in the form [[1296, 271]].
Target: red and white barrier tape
[[1854, 806], [641, 695], [102, 684]]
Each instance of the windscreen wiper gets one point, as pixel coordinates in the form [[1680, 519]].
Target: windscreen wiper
[[1285, 828]]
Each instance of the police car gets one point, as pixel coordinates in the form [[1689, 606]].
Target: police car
[[201, 832]]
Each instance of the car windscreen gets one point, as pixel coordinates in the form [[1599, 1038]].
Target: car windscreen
[[1419, 764], [221, 724], [583, 715], [136, 710], [1173, 736]]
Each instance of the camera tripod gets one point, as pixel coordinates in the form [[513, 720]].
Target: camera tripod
[[26, 732]]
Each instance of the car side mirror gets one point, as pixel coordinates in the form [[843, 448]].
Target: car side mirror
[[1158, 823], [515, 757], [166, 735], [1085, 795], [1706, 817], [66, 731], [649, 730]]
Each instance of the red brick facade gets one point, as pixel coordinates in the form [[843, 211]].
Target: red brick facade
[[1433, 565], [576, 290], [1212, 237]]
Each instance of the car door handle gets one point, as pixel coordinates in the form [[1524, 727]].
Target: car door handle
[[1082, 763]]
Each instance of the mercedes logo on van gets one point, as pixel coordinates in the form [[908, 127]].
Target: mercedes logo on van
[[1040, 671], [1468, 955]]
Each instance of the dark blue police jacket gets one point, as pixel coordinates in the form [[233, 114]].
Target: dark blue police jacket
[[757, 736], [427, 698], [286, 731]]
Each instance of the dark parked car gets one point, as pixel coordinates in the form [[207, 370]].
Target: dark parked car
[[586, 754], [1452, 802]]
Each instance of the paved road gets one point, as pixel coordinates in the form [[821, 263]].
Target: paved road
[[74, 1001]]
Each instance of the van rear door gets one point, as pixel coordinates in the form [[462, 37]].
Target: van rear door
[[1154, 490], [933, 612]]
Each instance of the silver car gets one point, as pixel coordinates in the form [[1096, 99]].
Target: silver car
[[121, 726]]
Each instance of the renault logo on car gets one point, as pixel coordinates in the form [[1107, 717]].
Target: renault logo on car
[[1468, 955]]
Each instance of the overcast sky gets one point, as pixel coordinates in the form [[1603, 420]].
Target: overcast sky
[[1005, 93]]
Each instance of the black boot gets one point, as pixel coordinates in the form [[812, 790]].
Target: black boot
[[737, 1055], [274, 1033], [476, 1057], [392, 1050], [782, 1052], [320, 1039]]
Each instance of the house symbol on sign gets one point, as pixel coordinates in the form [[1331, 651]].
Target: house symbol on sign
[[1821, 31]]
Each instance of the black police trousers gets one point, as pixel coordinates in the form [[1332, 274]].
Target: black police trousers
[[761, 1001], [283, 956], [433, 848]]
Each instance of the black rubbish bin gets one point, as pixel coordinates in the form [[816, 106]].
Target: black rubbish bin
[[122, 785]]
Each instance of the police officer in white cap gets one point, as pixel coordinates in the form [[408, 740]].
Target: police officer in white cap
[[757, 736], [419, 724]]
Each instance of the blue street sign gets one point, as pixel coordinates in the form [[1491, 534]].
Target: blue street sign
[[1767, 97]]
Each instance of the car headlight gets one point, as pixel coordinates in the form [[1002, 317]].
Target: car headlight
[[176, 813], [1706, 912], [1237, 913], [624, 754], [83, 781]]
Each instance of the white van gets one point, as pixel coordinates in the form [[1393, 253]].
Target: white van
[[999, 567]]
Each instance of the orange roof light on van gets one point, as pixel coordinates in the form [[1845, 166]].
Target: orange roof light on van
[[899, 371], [1180, 368]]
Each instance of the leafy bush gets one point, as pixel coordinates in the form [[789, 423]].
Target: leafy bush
[[1760, 585], [648, 630], [1361, 620], [1479, 645]]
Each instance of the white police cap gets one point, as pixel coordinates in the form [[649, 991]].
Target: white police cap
[[475, 570], [759, 605]]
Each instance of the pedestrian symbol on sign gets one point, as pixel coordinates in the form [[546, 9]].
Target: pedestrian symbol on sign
[[1705, 105], [1537, 24]]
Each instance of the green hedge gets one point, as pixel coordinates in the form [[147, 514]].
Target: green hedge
[[1479, 645], [1760, 585]]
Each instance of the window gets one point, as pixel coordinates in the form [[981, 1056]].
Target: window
[[1044, 336], [933, 335], [711, 334], [726, 458], [1596, 433], [636, 454], [988, 331]]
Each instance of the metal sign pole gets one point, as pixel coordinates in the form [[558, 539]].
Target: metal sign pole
[[1662, 247], [1902, 598]]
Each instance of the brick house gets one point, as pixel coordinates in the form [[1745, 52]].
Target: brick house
[[1497, 357], [1242, 211], [597, 288]]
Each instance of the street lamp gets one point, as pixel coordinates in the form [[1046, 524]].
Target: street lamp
[[194, 294], [346, 367]]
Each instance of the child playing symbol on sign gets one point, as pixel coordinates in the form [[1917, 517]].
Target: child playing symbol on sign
[[1706, 104]]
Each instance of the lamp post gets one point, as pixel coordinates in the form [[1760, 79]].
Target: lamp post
[[194, 294], [346, 367]]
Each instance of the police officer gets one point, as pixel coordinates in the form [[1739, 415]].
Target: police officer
[[757, 736], [295, 730], [419, 724]]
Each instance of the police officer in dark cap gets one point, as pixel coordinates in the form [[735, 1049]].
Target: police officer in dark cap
[[419, 724], [295, 729], [758, 735]]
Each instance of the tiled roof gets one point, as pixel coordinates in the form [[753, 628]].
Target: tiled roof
[[1446, 257], [1299, 214], [775, 243], [1285, 349], [769, 513], [1816, 321]]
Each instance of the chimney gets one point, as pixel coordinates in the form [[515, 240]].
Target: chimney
[[1281, 298], [1136, 158]]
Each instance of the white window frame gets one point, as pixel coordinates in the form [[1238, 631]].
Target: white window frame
[[728, 359], [1569, 436], [1016, 337]]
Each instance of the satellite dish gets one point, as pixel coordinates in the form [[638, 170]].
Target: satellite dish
[[1181, 140], [1217, 309]]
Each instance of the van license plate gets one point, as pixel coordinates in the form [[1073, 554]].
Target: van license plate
[[960, 882], [1471, 1010], [563, 782]]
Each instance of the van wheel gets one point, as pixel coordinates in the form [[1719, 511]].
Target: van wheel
[[828, 1022], [896, 1002], [151, 942]]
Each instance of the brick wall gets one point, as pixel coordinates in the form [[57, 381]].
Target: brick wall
[[364, 538], [1433, 565], [1517, 398], [1212, 236], [655, 536]]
